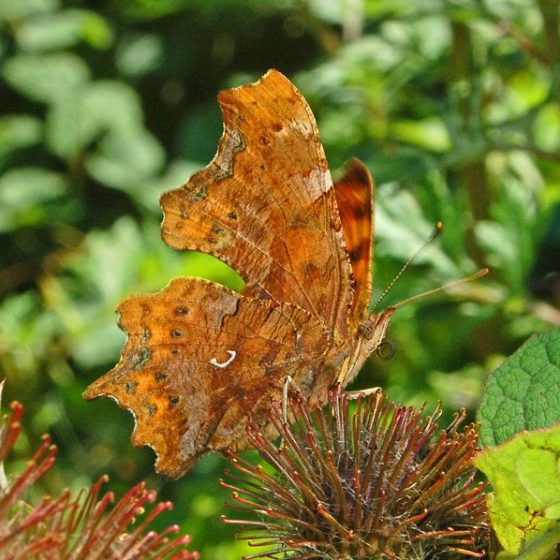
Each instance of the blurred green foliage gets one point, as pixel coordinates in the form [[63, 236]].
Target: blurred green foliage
[[453, 105]]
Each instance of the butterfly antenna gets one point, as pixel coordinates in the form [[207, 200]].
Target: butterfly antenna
[[435, 232], [482, 272]]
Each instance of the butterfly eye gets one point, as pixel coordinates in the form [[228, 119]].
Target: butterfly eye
[[366, 330], [386, 350]]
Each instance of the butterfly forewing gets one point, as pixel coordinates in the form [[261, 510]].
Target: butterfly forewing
[[265, 205]]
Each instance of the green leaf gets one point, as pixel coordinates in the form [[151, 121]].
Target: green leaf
[[510, 239], [30, 185], [45, 78], [525, 503], [24, 193], [429, 133], [331, 11], [64, 29], [524, 91], [26, 337], [126, 158], [401, 229], [19, 9], [137, 56], [81, 116], [547, 128], [18, 131], [524, 392]]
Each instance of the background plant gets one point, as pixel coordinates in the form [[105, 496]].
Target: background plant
[[452, 104], [76, 525]]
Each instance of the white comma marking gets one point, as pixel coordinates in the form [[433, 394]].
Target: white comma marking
[[232, 355]]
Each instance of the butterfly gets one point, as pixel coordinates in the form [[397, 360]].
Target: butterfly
[[201, 360]]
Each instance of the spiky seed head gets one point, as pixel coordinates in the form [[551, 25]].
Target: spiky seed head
[[363, 478]]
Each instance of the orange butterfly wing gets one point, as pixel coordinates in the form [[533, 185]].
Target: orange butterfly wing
[[265, 205], [198, 357], [354, 195]]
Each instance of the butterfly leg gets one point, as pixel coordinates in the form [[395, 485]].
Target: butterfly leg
[[362, 392], [342, 374], [287, 382]]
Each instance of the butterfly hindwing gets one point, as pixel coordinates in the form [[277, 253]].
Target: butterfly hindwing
[[196, 360], [355, 195]]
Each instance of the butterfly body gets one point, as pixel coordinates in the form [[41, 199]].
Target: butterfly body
[[200, 359]]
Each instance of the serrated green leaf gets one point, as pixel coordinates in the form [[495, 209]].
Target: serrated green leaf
[[524, 392], [64, 29], [18, 131], [46, 77], [76, 120], [525, 478]]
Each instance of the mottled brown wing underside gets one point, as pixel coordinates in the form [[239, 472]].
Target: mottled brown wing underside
[[198, 360], [354, 195], [265, 205]]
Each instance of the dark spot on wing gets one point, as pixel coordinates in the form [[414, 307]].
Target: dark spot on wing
[[142, 357], [131, 387], [196, 192]]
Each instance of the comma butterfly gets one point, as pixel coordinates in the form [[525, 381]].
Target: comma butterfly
[[200, 359]]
